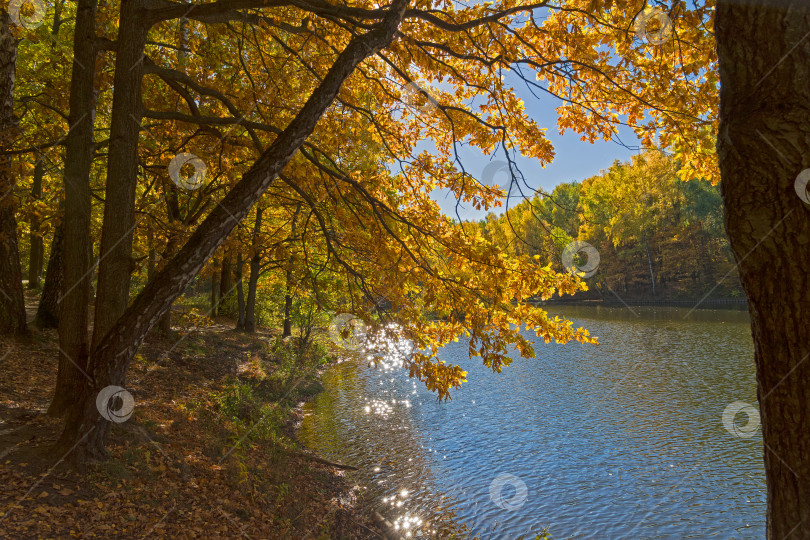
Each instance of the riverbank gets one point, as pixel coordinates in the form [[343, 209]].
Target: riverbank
[[594, 297], [689, 303], [208, 451]]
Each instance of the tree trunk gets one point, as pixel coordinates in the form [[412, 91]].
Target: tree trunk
[[165, 323], [48, 310], [240, 294], [77, 250], [225, 281], [151, 257], [763, 144], [287, 330], [250, 305], [37, 246], [253, 279], [12, 301], [214, 291], [85, 429], [115, 258], [288, 278]]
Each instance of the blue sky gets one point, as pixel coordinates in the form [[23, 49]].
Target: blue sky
[[574, 159]]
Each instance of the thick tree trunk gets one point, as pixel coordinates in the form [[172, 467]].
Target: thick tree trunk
[[763, 144], [37, 246], [48, 310], [253, 279], [115, 258], [77, 250], [85, 427], [240, 294], [12, 301]]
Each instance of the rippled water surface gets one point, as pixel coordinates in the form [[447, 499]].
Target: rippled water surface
[[623, 440]]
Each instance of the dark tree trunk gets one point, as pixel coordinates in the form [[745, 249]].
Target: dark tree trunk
[[12, 300], [115, 258], [253, 279], [77, 250], [240, 294], [85, 429], [165, 324], [151, 256], [226, 279], [37, 246], [287, 329], [250, 304], [48, 310], [763, 144], [288, 281], [214, 291]]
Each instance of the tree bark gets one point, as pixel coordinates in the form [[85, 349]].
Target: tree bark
[[48, 310], [253, 279], [288, 278], [225, 281], [12, 300], [151, 256], [74, 303], [763, 144], [214, 291], [165, 324], [287, 327], [115, 258], [37, 246], [85, 430], [240, 294]]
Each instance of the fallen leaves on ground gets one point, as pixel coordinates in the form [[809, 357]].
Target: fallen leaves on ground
[[177, 469]]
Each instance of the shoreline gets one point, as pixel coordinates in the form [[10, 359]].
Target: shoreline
[[740, 304], [206, 452]]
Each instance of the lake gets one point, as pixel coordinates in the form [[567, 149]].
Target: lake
[[621, 440]]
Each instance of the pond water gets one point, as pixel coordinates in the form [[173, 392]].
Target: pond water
[[621, 440]]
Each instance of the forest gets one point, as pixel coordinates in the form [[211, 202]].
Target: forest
[[656, 236], [205, 204]]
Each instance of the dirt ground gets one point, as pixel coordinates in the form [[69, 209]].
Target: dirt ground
[[179, 467]]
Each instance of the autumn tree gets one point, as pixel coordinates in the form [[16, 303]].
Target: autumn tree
[[378, 203], [652, 229], [74, 308], [280, 86], [12, 303], [630, 202], [763, 145]]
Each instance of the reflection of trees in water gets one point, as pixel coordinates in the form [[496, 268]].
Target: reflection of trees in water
[[363, 418]]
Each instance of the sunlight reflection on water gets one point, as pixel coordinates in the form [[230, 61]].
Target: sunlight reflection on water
[[621, 440]]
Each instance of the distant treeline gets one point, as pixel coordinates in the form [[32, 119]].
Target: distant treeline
[[657, 236]]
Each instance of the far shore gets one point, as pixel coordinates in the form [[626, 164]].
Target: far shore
[[736, 303]]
